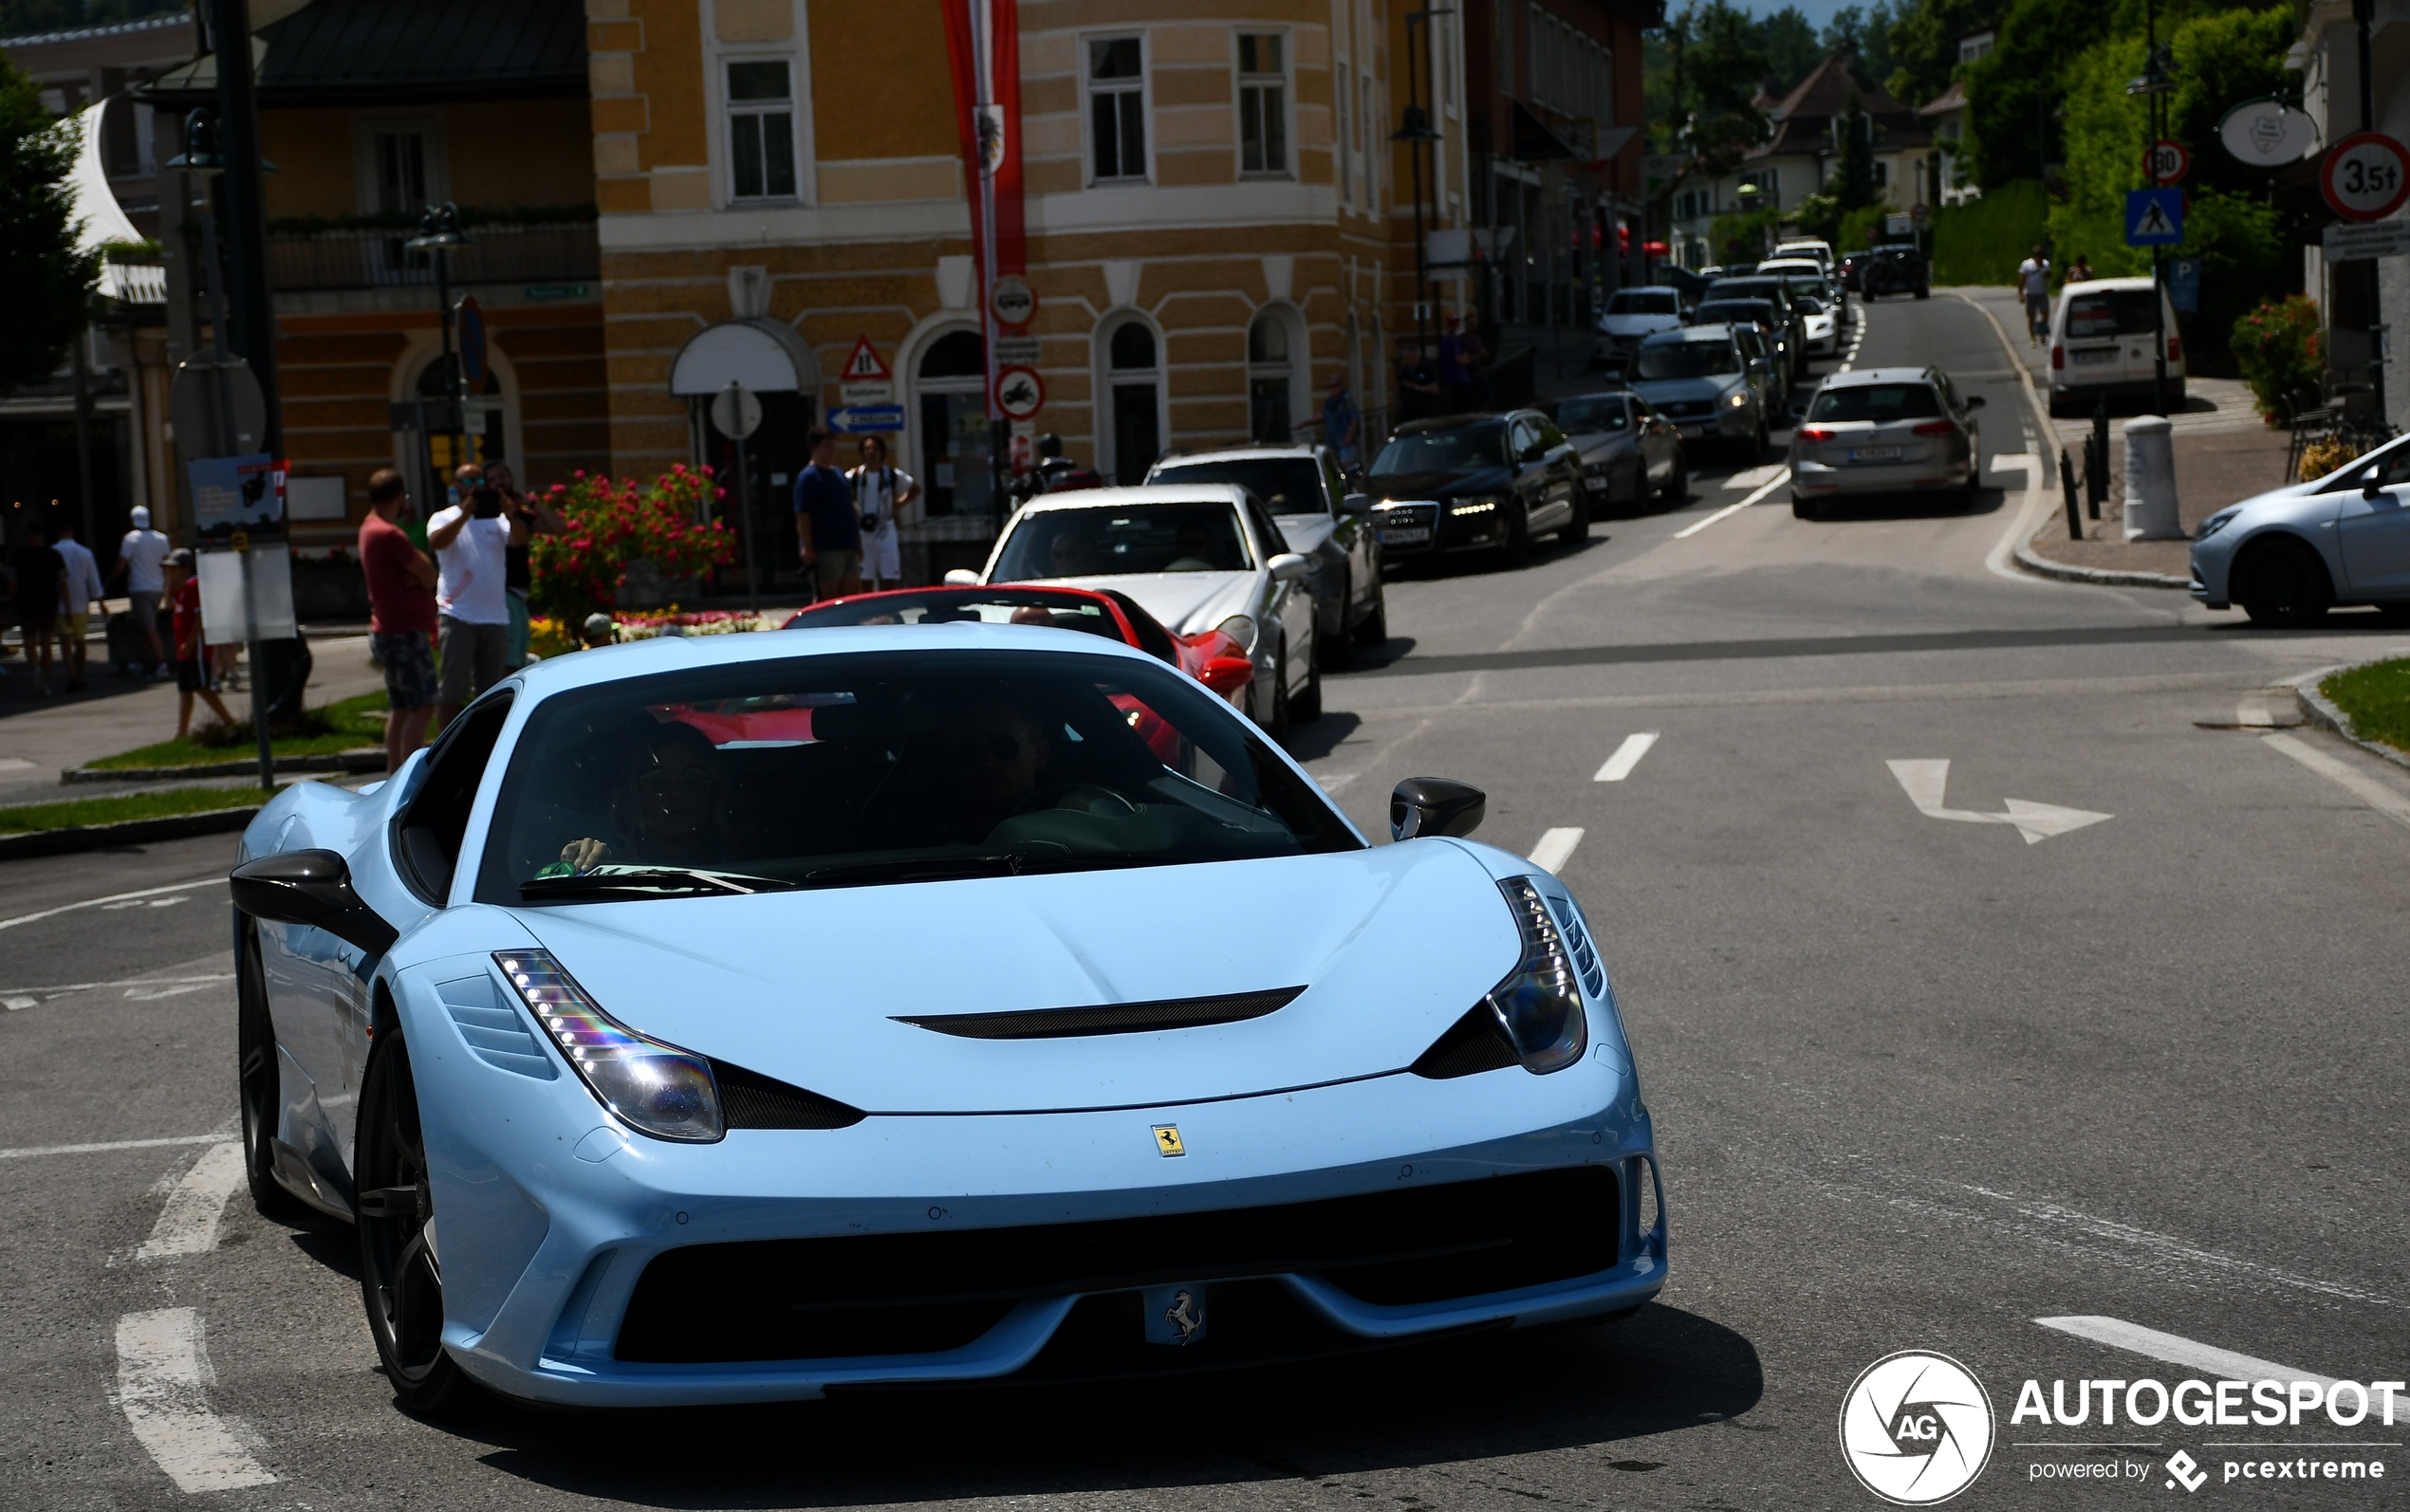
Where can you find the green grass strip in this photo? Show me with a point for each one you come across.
(2375, 698)
(332, 729)
(24, 819)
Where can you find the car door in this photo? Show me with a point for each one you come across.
(1657, 441)
(1354, 535)
(2374, 523)
(1289, 605)
(1564, 469)
(1528, 459)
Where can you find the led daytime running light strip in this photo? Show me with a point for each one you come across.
(584, 1033)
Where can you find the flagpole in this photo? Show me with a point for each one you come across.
(983, 55)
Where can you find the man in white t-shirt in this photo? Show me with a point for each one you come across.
(141, 557)
(472, 619)
(2033, 281)
(880, 492)
(78, 590)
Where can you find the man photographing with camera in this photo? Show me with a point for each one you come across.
(473, 540)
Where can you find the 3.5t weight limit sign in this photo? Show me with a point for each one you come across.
(2367, 178)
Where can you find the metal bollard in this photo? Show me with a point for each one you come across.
(2096, 455)
(2067, 483)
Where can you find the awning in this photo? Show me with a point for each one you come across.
(765, 356)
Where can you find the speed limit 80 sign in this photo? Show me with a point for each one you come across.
(2367, 178)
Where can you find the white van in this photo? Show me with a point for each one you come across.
(2101, 346)
(1821, 252)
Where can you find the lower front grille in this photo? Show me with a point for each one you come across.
(879, 1294)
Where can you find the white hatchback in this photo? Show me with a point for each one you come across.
(2103, 345)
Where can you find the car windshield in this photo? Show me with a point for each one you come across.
(1725, 311)
(1641, 301)
(1286, 485)
(1466, 448)
(1808, 294)
(1765, 288)
(1593, 414)
(887, 766)
(2110, 312)
(1132, 537)
(957, 606)
(1689, 359)
(1877, 401)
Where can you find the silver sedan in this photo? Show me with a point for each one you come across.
(1887, 429)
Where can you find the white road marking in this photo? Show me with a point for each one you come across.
(154, 994)
(15, 763)
(2002, 558)
(1751, 477)
(2367, 790)
(1926, 782)
(15, 1001)
(188, 1224)
(122, 982)
(1627, 757)
(29, 1152)
(2251, 713)
(162, 1381)
(2136, 1339)
(145, 903)
(1555, 848)
(1770, 485)
(1335, 781)
(113, 897)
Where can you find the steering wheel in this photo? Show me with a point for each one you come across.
(1091, 798)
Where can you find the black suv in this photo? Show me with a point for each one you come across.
(1895, 270)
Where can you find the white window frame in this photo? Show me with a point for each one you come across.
(717, 55)
(1145, 92)
(366, 129)
(1285, 81)
(724, 121)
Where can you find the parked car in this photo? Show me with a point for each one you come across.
(1774, 289)
(2289, 555)
(734, 1071)
(1885, 429)
(1197, 557)
(1773, 323)
(1632, 314)
(1629, 451)
(1698, 378)
(1897, 269)
(1820, 251)
(1476, 483)
(1302, 489)
(2104, 346)
(1766, 366)
(1211, 658)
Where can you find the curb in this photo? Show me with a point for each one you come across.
(2317, 708)
(2042, 566)
(131, 832)
(367, 759)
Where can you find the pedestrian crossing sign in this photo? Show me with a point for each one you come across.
(2153, 217)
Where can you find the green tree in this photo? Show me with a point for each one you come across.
(1727, 59)
(1791, 45)
(1924, 44)
(2012, 93)
(49, 283)
(1853, 157)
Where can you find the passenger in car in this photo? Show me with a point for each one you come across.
(666, 810)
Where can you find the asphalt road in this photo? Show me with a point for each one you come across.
(1921, 1079)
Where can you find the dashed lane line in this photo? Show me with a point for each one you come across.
(32, 1152)
(2136, 1339)
(1555, 848)
(2385, 799)
(113, 897)
(162, 1387)
(1768, 487)
(1627, 757)
(188, 1224)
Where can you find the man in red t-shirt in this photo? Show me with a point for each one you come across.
(401, 614)
(192, 664)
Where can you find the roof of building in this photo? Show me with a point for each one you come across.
(121, 29)
(1804, 117)
(371, 52)
(1954, 98)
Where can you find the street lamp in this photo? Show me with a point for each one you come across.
(439, 232)
(1413, 130)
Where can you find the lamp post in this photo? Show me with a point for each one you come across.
(1414, 130)
(2156, 81)
(438, 233)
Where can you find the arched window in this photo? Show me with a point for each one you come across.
(1134, 373)
(1270, 370)
(950, 386)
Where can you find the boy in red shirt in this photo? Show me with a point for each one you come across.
(192, 676)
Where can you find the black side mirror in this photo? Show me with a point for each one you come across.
(1356, 504)
(312, 887)
(1435, 805)
(1974, 401)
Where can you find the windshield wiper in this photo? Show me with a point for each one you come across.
(690, 880)
(950, 868)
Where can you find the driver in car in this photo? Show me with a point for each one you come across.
(665, 809)
(992, 756)
(1196, 549)
(1071, 554)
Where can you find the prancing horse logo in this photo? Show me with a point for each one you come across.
(1182, 1316)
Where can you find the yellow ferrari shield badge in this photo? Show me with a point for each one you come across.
(1167, 1139)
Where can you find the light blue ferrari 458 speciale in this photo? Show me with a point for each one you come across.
(758, 1017)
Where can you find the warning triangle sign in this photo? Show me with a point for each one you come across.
(864, 366)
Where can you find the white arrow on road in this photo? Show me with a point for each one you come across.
(1927, 782)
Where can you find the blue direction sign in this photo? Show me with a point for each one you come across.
(2153, 217)
(859, 418)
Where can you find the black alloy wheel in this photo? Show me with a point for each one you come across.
(1375, 629)
(2285, 585)
(1577, 530)
(1518, 533)
(400, 1279)
(1678, 484)
(1307, 707)
(1278, 724)
(257, 1083)
(1338, 648)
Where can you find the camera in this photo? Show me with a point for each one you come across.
(486, 504)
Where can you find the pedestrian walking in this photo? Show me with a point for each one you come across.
(140, 559)
(2034, 277)
(533, 517)
(78, 591)
(1341, 427)
(827, 527)
(192, 675)
(882, 493)
(41, 585)
(401, 614)
(2080, 271)
(472, 611)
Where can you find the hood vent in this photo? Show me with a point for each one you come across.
(752, 1100)
(1473, 1043)
(1112, 1018)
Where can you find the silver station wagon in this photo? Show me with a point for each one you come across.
(1885, 429)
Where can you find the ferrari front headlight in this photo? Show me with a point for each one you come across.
(652, 1087)
(1539, 1002)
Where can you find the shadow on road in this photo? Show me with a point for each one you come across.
(1478, 1399)
(1839, 509)
(1319, 739)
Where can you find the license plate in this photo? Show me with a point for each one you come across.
(1874, 454)
(1405, 535)
(1694, 429)
(2085, 359)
